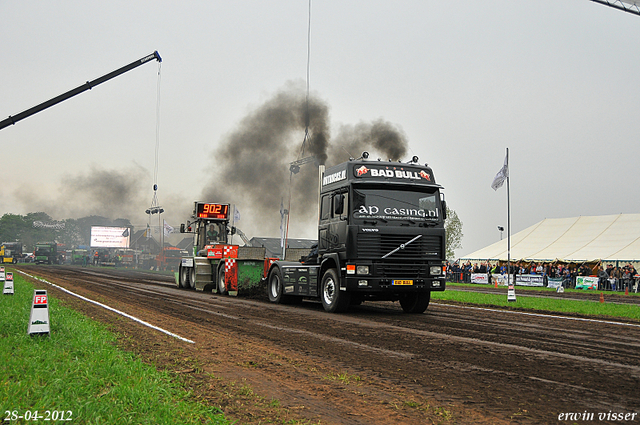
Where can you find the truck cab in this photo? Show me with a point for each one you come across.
(46, 252)
(380, 237)
(10, 252)
(170, 258)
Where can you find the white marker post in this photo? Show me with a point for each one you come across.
(8, 283)
(511, 292)
(39, 321)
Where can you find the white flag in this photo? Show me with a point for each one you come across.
(236, 214)
(502, 175)
(167, 229)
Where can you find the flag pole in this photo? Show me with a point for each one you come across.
(508, 224)
(498, 181)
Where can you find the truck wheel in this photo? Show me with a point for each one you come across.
(222, 289)
(333, 300)
(415, 303)
(275, 288)
(185, 278)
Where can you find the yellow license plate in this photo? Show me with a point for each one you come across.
(403, 282)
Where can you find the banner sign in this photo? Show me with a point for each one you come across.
(501, 279)
(480, 278)
(587, 282)
(109, 237)
(529, 280)
(554, 282)
(53, 225)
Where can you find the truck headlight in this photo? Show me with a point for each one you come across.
(362, 270)
(435, 270)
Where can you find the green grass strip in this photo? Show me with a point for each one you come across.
(585, 308)
(453, 285)
(77, 368)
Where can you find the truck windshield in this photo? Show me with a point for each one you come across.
(396, 207)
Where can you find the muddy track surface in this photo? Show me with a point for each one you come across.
(262, 362)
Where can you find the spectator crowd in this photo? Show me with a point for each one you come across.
(610, 278)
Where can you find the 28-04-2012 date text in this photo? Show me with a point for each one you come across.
(35, 415)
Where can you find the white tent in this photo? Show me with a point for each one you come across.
(575, 239)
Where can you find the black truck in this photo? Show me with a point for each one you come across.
(381, 237)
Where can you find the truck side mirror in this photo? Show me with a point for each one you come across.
(444, 209)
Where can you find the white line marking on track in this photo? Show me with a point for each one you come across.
(551, 316)
(128, 316)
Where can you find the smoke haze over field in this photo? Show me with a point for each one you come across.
(250, 168)
(107, 193)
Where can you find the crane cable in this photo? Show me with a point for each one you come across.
(307, 118)
(154, 201)
(155, 171)
(306, 130)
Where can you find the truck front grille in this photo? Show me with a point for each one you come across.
(372, 246)
(401, 270)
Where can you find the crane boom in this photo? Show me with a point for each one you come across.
(630, 6)
(86, 86)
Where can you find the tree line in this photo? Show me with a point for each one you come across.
(37, 227)
(74, 232)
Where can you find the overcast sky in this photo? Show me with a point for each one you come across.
(554, 81)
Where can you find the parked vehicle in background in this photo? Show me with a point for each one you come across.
(170, 258)
(125, 258)
(10, 252)
(102, 257)
(80, 256)
(46, 253)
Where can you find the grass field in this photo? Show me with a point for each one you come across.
(586, 308)
(77, 373)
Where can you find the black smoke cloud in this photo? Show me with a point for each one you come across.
(107, 193)
(379, 137)
(250, 168)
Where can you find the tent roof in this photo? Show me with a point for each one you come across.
(584, 238)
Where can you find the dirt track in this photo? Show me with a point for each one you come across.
(263, 362)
